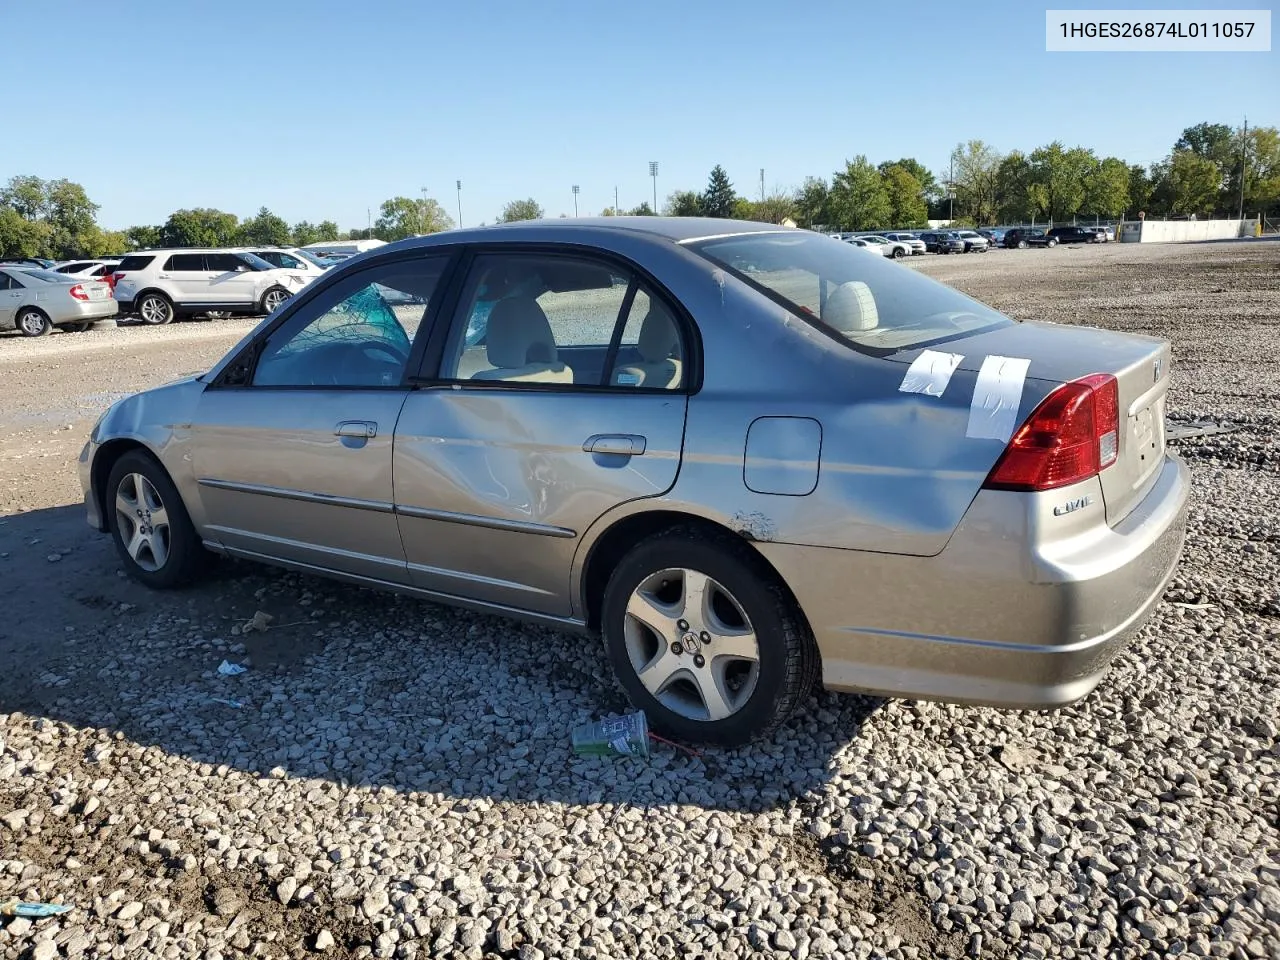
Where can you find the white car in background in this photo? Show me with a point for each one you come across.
(910, 239)
(862, 244)
(888, 248)
(95, 269)
(289, 258)
(159, 285)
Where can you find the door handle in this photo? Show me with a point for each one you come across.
(618, 444)
(364, 429)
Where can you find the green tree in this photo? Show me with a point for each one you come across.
(1141, 187)
(303, 233)
(1262, 174)
(684, 203)
(976, 167)
(717, 199)
(20, 237)
(923, 176)
(813, 203)
(64, 212)
(644, 210)
(265, 228)
(906, 197)
(521, 210)
(1013, 189)
(1058, 179)
(27, 195)
(142, 238)
(1106, 188)
(402, 217)
(200, 227)
(859, 200)
(327, 231)
(1194, 183)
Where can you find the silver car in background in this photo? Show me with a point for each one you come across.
(746, 458)
(35, 301)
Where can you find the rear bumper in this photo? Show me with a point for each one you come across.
(88, 311)
(988, 620)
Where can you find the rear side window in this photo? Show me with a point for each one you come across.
(134, 263)
(185, 262)
(72, 267)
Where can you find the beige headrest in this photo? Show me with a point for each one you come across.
(519, 334)
(659, 338)
(851, 308)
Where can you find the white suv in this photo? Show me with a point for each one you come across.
(159, 285)
(289, 258)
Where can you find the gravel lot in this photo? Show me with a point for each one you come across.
(396, 778)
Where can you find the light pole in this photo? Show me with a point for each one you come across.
(951, 189)
(616, 211)
(575, 199)
(422, 213)
(459, 204)
(762, 184)
(653, 172)
(1244, 165)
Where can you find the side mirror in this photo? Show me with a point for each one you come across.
(243, 268)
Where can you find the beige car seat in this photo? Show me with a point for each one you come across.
(659, 348)
(851, 308)
(520, 345)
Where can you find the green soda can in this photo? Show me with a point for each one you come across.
(625, 736)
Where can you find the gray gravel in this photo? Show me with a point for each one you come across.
(397, 780)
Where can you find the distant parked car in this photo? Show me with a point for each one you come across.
(948, 241)
(161, 284)
(910, 239)
(35, 301)
(103, 270)
(1074, 235)
(888, 248)
(26, 261)
(1105, 234)
(994, 235)
(1031, 237)
(974, 242)
(863, 245)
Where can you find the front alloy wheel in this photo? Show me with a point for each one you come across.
(273, 298)
(143, 522)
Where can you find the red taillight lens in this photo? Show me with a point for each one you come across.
(78, 292)
(1071, 436)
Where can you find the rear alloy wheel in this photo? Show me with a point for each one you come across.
(705, 640)
(273, 298)
(149, 523)
(32, 322)
(155, 309)
(1022, 244)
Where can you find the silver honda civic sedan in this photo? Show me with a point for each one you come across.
(747, 458)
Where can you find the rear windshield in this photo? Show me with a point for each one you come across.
(134, 263)
(50, 276)
(874, 304)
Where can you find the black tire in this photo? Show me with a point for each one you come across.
(154, 308)
(32, 322)
(1022, 244)
(186, 557)
(1051, 243)
(81, 327)
(272, 298)
(897, 253)
(788, 660)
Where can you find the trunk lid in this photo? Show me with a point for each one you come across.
(1141, 366)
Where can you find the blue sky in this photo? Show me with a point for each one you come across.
(324, 108)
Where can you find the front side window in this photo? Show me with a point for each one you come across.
(223, 262)
(871, 303)
(357, 333)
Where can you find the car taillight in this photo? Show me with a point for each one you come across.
(115, 278)
(78, 292)
(1072, 435)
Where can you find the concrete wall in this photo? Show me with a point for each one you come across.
(1180, 231)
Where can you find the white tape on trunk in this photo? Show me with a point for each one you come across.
(997, 394)
(930, 373)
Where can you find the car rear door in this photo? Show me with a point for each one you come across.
(11, 297)
(560, 393)
(188, 275)
(293, 442)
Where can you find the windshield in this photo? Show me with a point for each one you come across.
(872, 303)
(256, 261)
(310, 258)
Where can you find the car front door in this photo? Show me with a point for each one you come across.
(188, 275)
(293, 442)
(11, 297)
(231, 279)
(560, 394)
